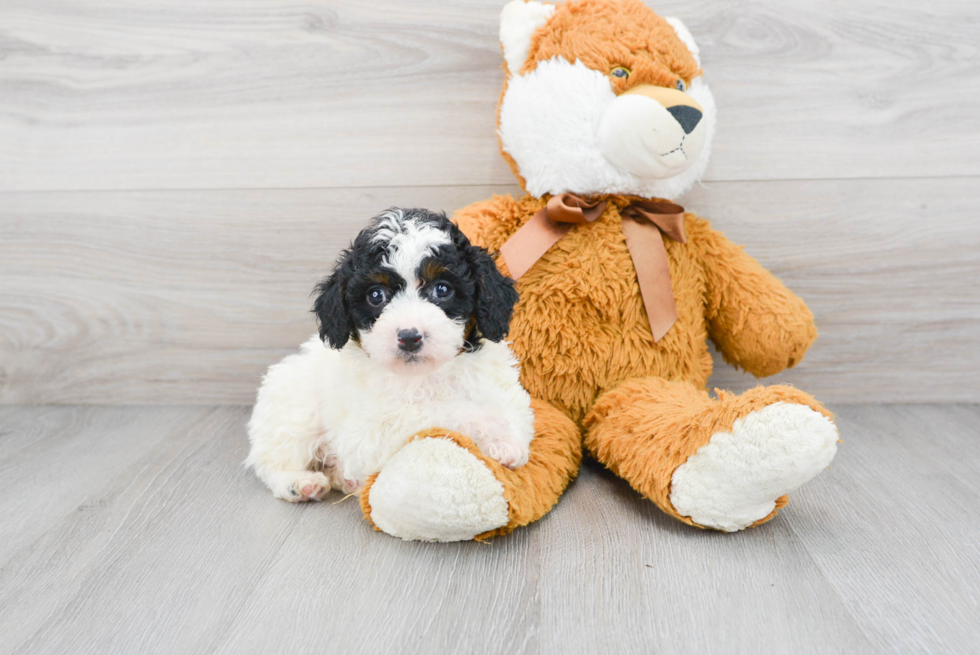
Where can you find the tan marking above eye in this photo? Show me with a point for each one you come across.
(431, 271)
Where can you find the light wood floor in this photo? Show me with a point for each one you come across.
(136, 530)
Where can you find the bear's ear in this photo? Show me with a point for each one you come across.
(518, 22)
(684, 35)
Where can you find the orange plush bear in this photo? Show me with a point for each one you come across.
(605, 116)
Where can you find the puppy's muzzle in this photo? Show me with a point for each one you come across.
(409, 341)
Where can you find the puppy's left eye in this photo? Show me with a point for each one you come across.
(441, 291)
(377, 296)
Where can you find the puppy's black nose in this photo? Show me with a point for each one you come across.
(409, 340)
(687, 117)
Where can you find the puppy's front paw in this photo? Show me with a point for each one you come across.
(508, 453)
(303, 487)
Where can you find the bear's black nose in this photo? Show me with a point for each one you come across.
(409, 340)
(687, 117)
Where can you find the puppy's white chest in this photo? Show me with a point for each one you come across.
(379, 422)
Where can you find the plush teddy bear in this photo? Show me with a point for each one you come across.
(604, 118)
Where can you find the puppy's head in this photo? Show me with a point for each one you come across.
(414, 293)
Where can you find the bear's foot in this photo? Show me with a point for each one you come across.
(724, 463)
(442, 487)
(736, 479)
(434, 490)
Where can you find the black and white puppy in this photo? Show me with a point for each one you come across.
(415, 317)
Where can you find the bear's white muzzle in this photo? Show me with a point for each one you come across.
(652, 132)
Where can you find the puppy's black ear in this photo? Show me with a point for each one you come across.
(495, 294)
(332, 314)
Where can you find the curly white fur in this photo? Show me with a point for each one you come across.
(408, 360)
(345, 416)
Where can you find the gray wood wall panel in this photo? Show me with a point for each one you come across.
(163, 296)
(174, 176)
(106, 94)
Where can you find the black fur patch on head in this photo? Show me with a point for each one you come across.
(495, 293)
(482, 297)
(332, 316)
(341, 305)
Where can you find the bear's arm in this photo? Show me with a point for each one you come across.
(756, 322)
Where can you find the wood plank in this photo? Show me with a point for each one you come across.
(52, 458)
(186, 297)
(182, 550)
(159, 554)
(106, 94)
(618, 575)
(376, 594)
(894, 525)
(188, 523)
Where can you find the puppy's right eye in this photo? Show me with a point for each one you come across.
(377, 296)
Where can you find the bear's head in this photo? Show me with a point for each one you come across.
(602, 97)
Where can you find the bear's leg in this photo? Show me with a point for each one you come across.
(724, 463)
(440, 487)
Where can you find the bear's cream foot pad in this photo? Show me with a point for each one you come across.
(735, 479)
(434, 490)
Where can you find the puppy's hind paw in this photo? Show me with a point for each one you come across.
(352, 486)
(508, 453)
(305, 487)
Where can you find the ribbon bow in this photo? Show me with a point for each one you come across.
(643, 222)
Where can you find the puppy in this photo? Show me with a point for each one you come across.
(415, 319)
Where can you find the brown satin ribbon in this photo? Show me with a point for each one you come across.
(643, 222)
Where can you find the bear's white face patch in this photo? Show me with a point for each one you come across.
(568, 132)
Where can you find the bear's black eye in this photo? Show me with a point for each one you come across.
(681, 86)
(377, 296)
(441, 291)
(621, 72)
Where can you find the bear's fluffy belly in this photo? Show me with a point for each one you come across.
(580, 327)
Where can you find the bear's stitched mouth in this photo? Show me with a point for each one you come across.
(680, 147)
